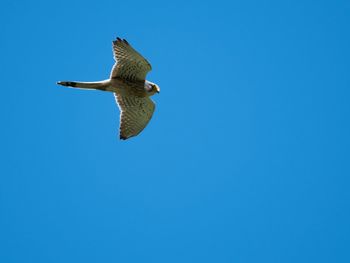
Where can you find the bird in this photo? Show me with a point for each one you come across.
(131, 89)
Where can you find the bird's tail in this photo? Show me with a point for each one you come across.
(98, 85)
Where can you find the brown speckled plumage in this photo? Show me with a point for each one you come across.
(130, 87)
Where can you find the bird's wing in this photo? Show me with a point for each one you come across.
(135, 113)
(130, 65)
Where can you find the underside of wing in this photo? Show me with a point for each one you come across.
(130, 65)
(135, 113)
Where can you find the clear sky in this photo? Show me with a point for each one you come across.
(246, 158)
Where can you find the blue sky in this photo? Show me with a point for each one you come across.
(245, 160)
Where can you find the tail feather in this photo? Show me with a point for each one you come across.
(67, 83)
(98, 85)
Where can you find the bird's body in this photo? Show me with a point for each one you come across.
(131, 89)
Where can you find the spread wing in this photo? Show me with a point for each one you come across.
(129, 64)
(135, 113)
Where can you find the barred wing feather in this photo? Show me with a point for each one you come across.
(135, 113)
(130, 65)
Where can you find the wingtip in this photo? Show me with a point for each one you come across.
(118, 39)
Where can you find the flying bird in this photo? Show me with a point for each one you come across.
(131, 89)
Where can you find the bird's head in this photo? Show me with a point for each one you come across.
(156, 88)
(152, 88)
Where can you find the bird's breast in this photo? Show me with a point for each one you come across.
(126, 87)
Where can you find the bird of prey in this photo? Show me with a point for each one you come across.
(131, 89)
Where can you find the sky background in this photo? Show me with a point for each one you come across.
(246, 158)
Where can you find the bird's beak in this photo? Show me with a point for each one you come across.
(158, 90)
